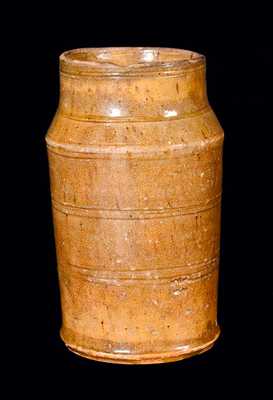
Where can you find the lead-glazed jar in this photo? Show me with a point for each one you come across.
(135, 157)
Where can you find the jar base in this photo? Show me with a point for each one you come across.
(145, 358)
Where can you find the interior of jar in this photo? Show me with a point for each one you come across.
(130, 57)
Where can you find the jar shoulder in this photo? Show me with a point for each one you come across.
(197, 129)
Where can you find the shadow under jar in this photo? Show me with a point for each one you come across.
(135, 156)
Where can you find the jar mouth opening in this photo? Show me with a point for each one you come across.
(122, 60)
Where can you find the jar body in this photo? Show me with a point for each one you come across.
(136, 207)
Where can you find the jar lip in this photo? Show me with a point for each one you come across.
(128, 60)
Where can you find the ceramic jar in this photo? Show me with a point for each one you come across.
(135, 157)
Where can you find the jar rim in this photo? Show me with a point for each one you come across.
(128, 60)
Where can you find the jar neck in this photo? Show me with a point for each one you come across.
(153, 92)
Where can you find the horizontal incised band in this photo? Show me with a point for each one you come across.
(128, 152)
(134, 214)
(66, 70)
(174, 116)
(178, 275)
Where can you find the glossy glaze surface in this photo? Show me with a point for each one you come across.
(135, 155)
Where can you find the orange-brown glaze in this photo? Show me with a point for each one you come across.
(135, 156)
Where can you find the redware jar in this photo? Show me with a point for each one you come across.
(135, 156)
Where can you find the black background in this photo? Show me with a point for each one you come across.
(239, 68)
